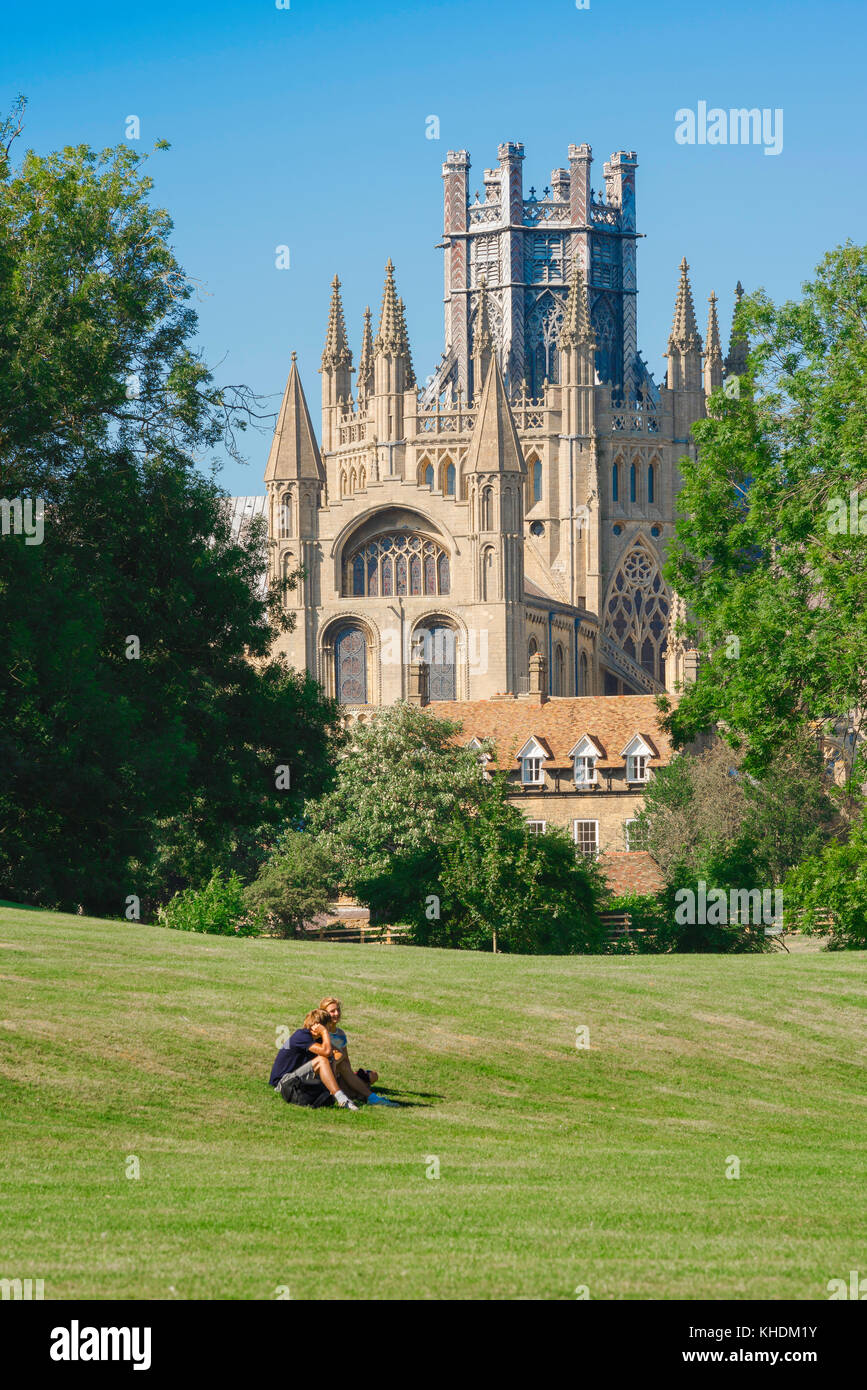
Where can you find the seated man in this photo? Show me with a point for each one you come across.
(302, 1070)
(358, 1083)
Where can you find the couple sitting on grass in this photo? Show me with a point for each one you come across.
(313, 1068)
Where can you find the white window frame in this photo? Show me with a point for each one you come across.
(532, 759)
(585, 755)
(631, 849)
(537, 827)
(637, 754)
(582, 820)
(585, 765)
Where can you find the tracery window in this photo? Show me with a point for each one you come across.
(397, 563)
(637, 610)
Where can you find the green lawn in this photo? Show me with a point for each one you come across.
(559, 1167)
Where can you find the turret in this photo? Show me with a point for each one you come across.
(364, 380)
(684, 361)
(736, 362)
(483, 342)
(336, 370)
(392, 371)
(713, 359)
(294, 481)
(577, 358)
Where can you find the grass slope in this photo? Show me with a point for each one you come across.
(559, 1167)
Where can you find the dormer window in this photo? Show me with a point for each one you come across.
(584, 757)
(483, 757)
(638, 753)
(531, 758)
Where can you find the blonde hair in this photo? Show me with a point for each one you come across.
(317, 1016)
(329, 999)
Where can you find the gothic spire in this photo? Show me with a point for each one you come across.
(736, 362)
(684, 331)
(404, 344)
(495, 447)
(364, 381)
(388, 337)
(336, 353)
(713, 359)
(576, 321)
(294, 451)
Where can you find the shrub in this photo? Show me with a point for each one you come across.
(218, 907)
(833, 882)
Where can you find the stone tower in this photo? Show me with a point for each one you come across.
(514, 515)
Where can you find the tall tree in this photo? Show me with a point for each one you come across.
(771, 551)
(146, 734)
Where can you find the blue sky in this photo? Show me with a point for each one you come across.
(306, 127)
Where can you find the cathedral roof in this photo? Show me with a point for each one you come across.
(495, 446)
(294, 451)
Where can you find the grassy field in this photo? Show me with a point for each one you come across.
(559, 1167)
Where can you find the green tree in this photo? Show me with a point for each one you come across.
(831, 886)
(398, 782)
(771, 551)
(533, 892)
(143, 722)
(295, 883)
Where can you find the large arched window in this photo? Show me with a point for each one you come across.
(637, 610)
(537, 481)
(350, 666)
(429, 476)
(650, 484)
(449, 480)
(397, 563)
(615, 483)
(633, 483)
(487, 518)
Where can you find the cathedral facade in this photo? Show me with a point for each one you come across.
(501, 529)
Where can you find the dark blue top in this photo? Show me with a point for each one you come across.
(293, 1054)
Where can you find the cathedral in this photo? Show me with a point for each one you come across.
(502, 526)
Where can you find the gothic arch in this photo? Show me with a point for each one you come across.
(638, 608)
(349, 654)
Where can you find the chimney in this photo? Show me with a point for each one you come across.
(538, 678)
(417, 683)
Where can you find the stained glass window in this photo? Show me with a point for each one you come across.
(450, 480)
(371, 570)
(637, 610)
(650, 483)
(537, 481)
(615, 489)
(633, 483)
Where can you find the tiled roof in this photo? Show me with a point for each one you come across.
(610, 720)
(633, 871)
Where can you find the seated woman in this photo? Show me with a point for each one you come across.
(357, 1083)
(303, 1072)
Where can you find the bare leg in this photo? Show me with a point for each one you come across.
(350, 1081)
(322, 1067)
